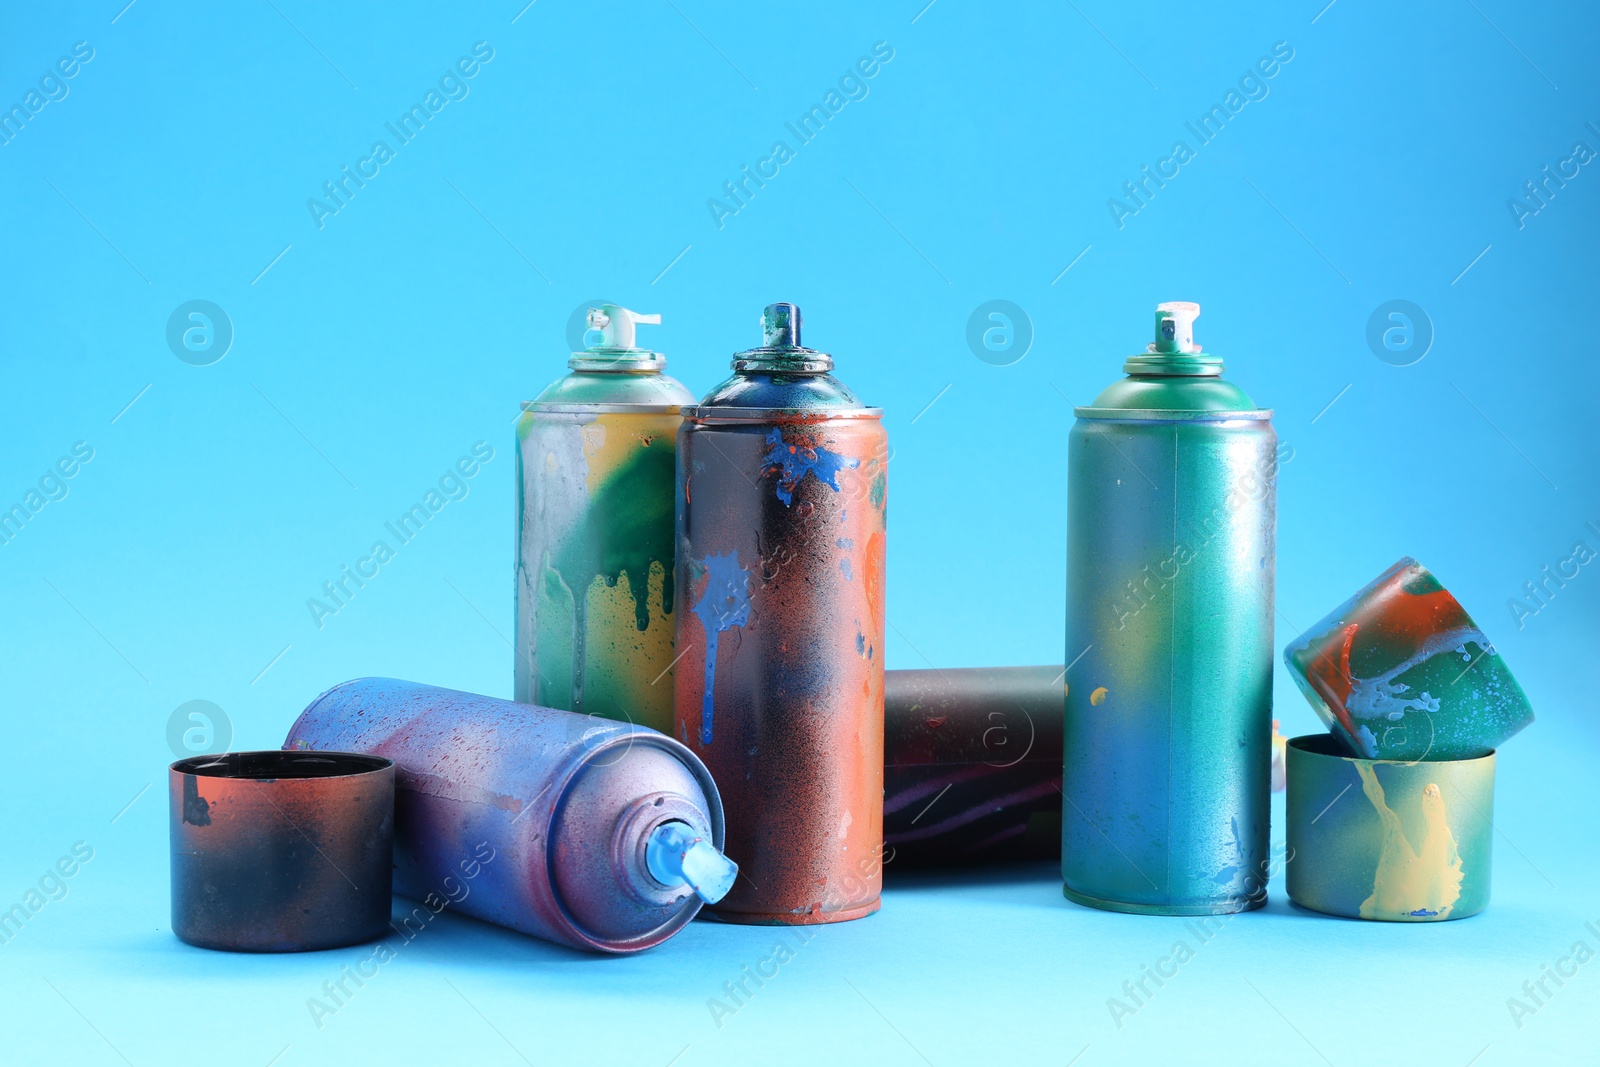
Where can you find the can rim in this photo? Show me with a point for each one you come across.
(1172, 415)
(282, 765)
(535, 407)
(714, 413)
(1324, 746)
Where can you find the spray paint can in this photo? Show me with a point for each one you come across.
(972, 765)
(594, 574)
(1171, 514)
(781, 501)
(598, 835)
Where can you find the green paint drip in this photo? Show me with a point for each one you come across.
(627, 528)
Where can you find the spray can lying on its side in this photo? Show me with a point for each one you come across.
(781, 492)
(1170, 521)
(972, 765)
(598, 835)
(595, 470)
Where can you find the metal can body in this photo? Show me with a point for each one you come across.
(281, 851)
(594, 572)
(1381, 670)
(1170, 576)
(527, 817)
(1388, 840)
(781, 528)
(972, 765)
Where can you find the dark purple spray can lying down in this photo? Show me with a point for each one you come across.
(599, 834)
(972, 770)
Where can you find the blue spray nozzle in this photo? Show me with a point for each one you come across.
(676, 855)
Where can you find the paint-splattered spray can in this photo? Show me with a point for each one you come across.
(1171, 512)
(781, 502)
(594, 531)
(972, 765)
(599, 835)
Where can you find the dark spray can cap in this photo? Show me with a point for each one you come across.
(281, 851)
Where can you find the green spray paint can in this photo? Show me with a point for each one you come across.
(1171, 514)
(596, 455)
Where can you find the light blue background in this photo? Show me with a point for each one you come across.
(378, 349)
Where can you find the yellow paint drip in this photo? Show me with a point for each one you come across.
(1421, 883)
(629, 669)
(598, 561)
(1098, 697)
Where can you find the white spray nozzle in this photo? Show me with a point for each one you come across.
(676, 855)
(1175, 327)
(615, 325)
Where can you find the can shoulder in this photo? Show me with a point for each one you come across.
(782, 391)
(644, 390)
(1178, 393)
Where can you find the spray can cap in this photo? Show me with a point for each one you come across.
(1175, 327)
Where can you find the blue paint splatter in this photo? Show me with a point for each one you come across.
(724, 604)
(1232, 871)
(861, 643)
(845, 542)
(794, 461)
(1422, 913)
(844, 565)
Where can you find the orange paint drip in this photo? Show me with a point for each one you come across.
(1333, 679)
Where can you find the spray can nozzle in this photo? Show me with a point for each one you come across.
(676, 855)
(615, 326)
(780, 326)
(782, 350)
(1175, 327)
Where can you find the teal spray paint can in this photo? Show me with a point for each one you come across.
(596, 461)
(1172, 476)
